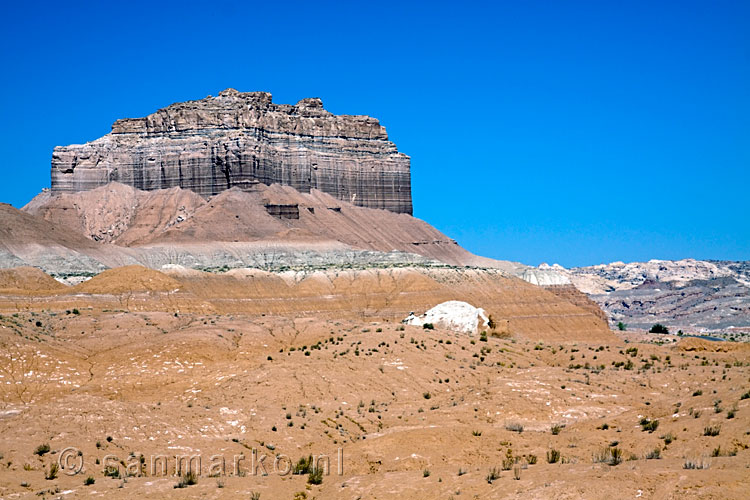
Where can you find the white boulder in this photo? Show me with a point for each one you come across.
(453, 315)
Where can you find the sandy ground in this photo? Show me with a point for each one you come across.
(400, 412)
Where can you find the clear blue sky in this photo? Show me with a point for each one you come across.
(570, 132)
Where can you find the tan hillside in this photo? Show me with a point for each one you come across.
(127, 279)
(279, 215)
(518, 308)
(27, 280)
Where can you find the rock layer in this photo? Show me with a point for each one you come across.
(238, 140)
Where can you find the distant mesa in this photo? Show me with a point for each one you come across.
(240, 139)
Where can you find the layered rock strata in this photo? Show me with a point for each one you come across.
(239, 139)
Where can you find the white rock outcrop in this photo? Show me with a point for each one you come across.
(453, 315)
(546, 275)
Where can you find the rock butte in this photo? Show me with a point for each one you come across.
(239, 139)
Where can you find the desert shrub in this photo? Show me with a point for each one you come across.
(658, 328)
(112, 471)
(654, 454)
(716, 451)
(254, 495)
(712, 430)
(610, 456)
(555, 429)
(427, 395)
(668, 438)
(695, 464)
(42, 449)
(699, 392)
(315, 476)
(428, 326)
(190, 478)
(483, 337)
(426, 473)
(508, 461)
(476, 433)
(553, 456)
(649, 425)
(531, 459)
(621, 326)
(76, 312)
(52, 471)
(303, 466)
(745, 395)
(493, 474)
(89, 481)
(514, 427)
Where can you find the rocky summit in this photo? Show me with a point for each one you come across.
(240, 139)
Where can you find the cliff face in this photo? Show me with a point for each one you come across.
(240, 139)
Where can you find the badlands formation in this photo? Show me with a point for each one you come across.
(696, 296)
(212, 294)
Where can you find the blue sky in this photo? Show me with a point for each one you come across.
(570, 132)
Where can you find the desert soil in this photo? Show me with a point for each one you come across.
(415, 413)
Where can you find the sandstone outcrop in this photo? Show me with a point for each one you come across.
(239, 139)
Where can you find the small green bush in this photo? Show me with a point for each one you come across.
(112, 471)
(493, 474)
(712, 430)
(649, 425)
(514, 427)
(658, 328)
(52, 471)
(304, 465)
(315, 476)
(42, 449)
(190, 478)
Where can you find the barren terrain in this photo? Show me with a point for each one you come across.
(135, 368)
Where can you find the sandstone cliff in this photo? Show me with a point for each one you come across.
(240, 139)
